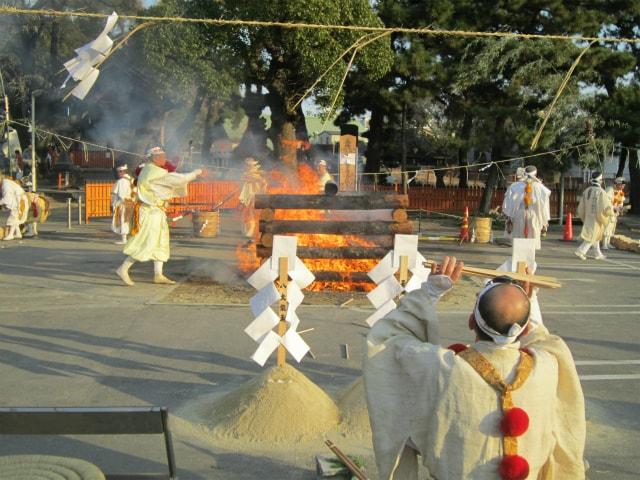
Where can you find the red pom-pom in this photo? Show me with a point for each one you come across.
(513, 467)
(515, 422)
(457, 347)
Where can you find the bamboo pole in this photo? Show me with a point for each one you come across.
(537, 280)
(346, 461)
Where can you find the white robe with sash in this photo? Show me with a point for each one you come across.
(422, 394)
(155, 187)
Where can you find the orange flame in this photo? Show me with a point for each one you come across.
(307, 182)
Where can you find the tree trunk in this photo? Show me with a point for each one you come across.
(492, 180)
(622, 161)
(373, 152)
(254, 139)
(462, 152)
(211, 120)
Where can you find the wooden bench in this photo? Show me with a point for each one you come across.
(93, 421)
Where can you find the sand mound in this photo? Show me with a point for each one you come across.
(355, 415)
(281, 405)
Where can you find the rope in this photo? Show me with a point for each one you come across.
(565, 81)
(84, 143)
(318, 26)
(486, 164)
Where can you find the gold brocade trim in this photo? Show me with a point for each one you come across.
(135, 219)
(490, 375)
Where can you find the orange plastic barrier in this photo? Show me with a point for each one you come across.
(202, 196)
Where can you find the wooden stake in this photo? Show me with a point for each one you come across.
(283, 281)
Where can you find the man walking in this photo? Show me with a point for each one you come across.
(595, 210)
(150, 240)
(527, 206)
(13, 197)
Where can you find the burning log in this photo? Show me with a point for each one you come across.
(352, 277)
(397, 215)
(370, 201)
(336, 228)
(331, 252)
(383, 241)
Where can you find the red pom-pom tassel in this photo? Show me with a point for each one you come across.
(515, 422)
(513, 467)
(457, 347)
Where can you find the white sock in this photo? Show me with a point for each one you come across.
(35, 228)
(584, 247)
(124, 237)
(157, 268)
(596, 247)
(126, 265)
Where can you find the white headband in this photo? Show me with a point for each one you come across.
(501, 339)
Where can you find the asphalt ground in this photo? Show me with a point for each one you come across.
(72, 335)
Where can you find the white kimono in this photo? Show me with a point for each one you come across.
(595, 210)
(535, 217)
(155, 187)
(16, 201)
(423, 395)
(121, 204)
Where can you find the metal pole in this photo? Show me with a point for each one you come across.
(34, 171)
(69, 212)
(79, 210)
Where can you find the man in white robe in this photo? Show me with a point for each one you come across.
(122, 204)
(431, 401)
(15, 200)
(508, 202)
(595, 210)
(324, 176)
(528, 211)
(253, 183)
(155, 187)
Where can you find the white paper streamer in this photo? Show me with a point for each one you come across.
(261, 329)
(383, 274)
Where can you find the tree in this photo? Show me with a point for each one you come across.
(286, 62)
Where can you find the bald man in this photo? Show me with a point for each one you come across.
(449, 406)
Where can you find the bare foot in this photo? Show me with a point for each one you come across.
(124, 276)
(162, 280)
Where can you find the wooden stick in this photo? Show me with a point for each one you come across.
(403, 274)
(537, 280)
(347, 462)
(283, 280)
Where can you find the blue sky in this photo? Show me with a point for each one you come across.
(149, 2)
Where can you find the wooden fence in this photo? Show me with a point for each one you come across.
(202, 196)
(205, 195)
(454, 200)
(92, 159)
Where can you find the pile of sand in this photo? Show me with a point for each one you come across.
(281, 405)
(355, 415)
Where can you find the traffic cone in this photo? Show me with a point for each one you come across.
(567, 236)
(464, 226)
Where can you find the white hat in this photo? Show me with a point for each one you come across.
(154, 151)
(619, 180)
(251, 162)
(530, 171)
(596, 177)
(322, 163)
(121, 168)
(520, 173)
